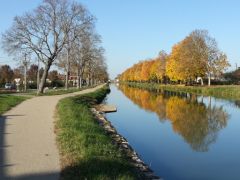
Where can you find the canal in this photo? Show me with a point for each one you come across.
(179, 135)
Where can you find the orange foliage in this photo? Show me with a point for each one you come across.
(193, 120)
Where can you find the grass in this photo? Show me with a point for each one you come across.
(87, 151)
(9, 101)
(52, 92)
(231, 92)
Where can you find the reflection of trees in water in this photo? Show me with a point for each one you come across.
(197, 123)
(237, 103)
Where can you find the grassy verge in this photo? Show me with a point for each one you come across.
(60, 91)
(224, 91)
(9, 101)
(52, 92)
(87, 151)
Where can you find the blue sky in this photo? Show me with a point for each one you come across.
(134, 30)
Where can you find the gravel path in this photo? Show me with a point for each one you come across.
(27, 141)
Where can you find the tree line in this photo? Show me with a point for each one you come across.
(8, 74)
(61, 33)
(195, 58)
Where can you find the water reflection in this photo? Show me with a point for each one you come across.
(237, 103)
(197, 122)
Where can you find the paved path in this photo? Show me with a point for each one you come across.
(27, 141)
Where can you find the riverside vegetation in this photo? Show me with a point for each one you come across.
(87, 152)
(231, 92)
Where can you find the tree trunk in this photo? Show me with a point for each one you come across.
(202, 82)
(44, 77)
(25, 77)
(91, 80)
(66, 79)
(80, 81)
(67, 70)
(209, 80)
(38, 75)
(88, 80)
(78, 78)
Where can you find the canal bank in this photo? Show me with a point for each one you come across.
(89, 151)
(135, 160)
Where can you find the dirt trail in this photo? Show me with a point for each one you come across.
(27, 141)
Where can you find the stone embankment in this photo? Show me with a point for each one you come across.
(124, 146)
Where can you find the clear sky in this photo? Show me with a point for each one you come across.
(134, 30)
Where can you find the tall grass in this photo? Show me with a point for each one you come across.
(87, 151)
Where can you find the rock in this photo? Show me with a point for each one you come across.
(107, 108)
(45, 89)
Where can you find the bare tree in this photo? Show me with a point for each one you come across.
(45, 31)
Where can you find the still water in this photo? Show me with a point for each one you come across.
(180, 136)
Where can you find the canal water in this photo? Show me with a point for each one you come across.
(179, 135)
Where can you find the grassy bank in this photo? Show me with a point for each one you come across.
(87, 152)
(224, 91)
(9, 101)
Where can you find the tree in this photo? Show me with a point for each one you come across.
(6, 74)
(53, 75)
(158, 68)
(233, 75)
(18, 72)
(45, 31)
(213, 61)
(193, 58)
(196, 56)
(174, 66)
(32, 72)
(145, 73)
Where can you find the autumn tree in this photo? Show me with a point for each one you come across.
(158, 68)
(174, 65)
(198, 123)
(196, 56)
(53, 75)
(214, 61)
(6, 74)
(18, 72)
(233, 75)
(32, 73)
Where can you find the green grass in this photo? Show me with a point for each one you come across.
(87, 151)
(9, 101)
(221, 91)
(52, 92)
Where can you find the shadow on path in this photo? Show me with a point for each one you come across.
(4, 165)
